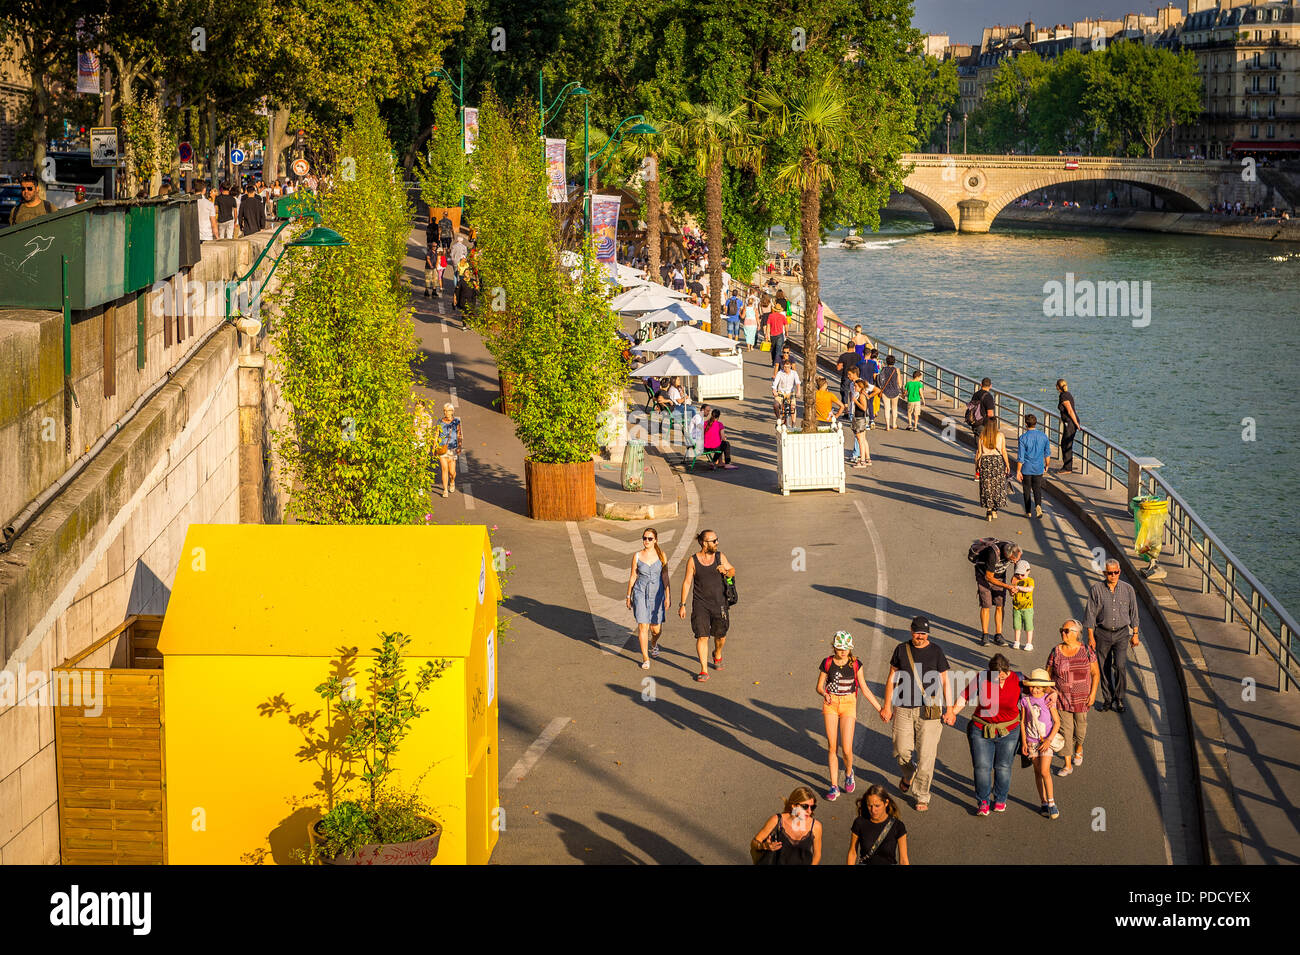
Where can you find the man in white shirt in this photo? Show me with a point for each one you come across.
(785, 384)
(207, 216)
(695, 430)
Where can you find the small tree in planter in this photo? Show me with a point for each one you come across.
(386, 823)
(554, 340)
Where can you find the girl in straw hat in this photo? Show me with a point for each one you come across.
(1039, 721)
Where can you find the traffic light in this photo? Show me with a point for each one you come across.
(300, 139)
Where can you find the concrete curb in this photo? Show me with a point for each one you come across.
(661, 508)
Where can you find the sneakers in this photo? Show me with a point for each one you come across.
(999, 807)
(1029, 647)
(984, 639)
(645, 664)
(984, 809)
(1078, 758)
(1038, 510)
(832, 794)
(849, 784)
(1016, 645)
(1052, 811)
(654, 650)
(998, 641)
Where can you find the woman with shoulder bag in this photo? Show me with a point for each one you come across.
(792, 836)
(993, 732)
(879, 836)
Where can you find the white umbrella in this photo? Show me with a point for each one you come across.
(674, 313)
(683, 361)
(686, 336)
(645, 298)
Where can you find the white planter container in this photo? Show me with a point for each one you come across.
(729, 384)
(810, 461)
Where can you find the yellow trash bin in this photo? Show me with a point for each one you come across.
(1149, 516)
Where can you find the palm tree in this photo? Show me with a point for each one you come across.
(709, 136)
(652, 148)
(818, 120)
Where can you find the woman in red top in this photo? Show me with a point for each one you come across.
(994, 732)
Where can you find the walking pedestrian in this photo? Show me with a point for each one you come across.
(915, 392)
(870, 370)
(648, 590)
(1111, 617)
(776, 324)
(992, 468)
(992, 558)
(839, 678)
(980, 408)
(207, 210)
(432, 274)
(1033, 455)
(751, 321)
(1039, 723)
(825, 404)
(715, 442)
(226, 205)
(890, 382)
(879, 836)
(993, 732)
(709, 617)
(858, 420)
(1022, 605)
(915, 705)
(792, 836)
(1075, 672)
(734, 305)
(446, 231)
(849, 361)
(452, 441)
(860, 343)
(1069, 425)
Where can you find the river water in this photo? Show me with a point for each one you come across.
(1203, 386)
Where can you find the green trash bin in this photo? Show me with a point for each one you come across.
(92, 239)
(634, 465)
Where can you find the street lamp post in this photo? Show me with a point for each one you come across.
(963, 134)
(642, 128)
(548, 113)
(459, 89)
(318, 237)
(947, 119)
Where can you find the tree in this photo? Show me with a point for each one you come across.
(1139, 93)
(648, 151)
(442, 169)
(817, 118)
(937, 93)
(709, 137)
(1004, 118)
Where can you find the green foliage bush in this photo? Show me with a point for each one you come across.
(346, 348)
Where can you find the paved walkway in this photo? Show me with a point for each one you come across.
(601, 764)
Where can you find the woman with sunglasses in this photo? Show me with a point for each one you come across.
(792, 836)
(839, 678)
(647, 593)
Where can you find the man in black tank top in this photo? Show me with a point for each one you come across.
(704, 572)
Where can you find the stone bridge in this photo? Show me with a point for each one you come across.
(967, 192)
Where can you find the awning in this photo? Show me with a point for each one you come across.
(1252, 145)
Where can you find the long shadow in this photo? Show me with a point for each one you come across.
(903, 612)
(587, 847)
(659, 849)
(566, 621)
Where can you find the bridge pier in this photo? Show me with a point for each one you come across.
(974, 216)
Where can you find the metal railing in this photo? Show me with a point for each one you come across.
(1189, 539)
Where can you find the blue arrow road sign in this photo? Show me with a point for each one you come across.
(236, 157)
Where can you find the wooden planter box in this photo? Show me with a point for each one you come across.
(560, 492)
(109, 765)
(814, 460)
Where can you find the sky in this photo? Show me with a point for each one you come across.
(964, 20)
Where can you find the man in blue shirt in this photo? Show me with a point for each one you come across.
(1033, 454)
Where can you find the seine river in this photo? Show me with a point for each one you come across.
(1201, 384)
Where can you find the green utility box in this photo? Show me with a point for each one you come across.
(191, 246)
(141, 245)
(167, 245)
(91, 236)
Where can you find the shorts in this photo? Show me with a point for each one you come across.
(860, 425)
(841, 704)
(1022, 619)
(989, 597)
(708, 621)
(913, 406)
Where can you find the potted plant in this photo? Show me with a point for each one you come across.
(381, 823)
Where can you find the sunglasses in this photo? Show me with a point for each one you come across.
(28, 189)
(811, 807)
(713, 540)
(1112, 573)
(1067, 630)
(650, 539)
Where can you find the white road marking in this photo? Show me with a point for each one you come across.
(469, 497)
(531, 755)
(625, 547)
(452, 389)
(450, 374)
(446, 345)
(692, 521)
(616, 574)
(610, 636)
(876, 649)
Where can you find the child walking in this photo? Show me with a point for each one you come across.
(914, 402)
(1022, 605)
(839, 679)
(1039, 721)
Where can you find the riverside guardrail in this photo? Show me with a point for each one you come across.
(1267, 621)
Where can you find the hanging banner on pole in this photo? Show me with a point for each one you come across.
(555, 172)
(471, 129)
(604, 231)
(88, 72)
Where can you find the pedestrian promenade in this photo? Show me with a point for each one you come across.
(603, 762)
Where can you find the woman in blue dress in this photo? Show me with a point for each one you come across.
(647, 593)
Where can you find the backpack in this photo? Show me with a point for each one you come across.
(733, 306)
(980, 545)
(975, 408)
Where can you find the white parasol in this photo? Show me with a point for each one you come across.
(674, 313)
(645, 298)
(683, 361)
(686, 336)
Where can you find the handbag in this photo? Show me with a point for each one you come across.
(928, 711)
(889, 827)
(729, 590)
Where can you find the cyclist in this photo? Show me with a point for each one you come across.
(784, 387)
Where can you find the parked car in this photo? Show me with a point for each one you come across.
(10, 197)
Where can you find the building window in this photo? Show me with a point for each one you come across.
(1271, 131)
(1254, 132)
(1272, 84)
(1272, 109)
